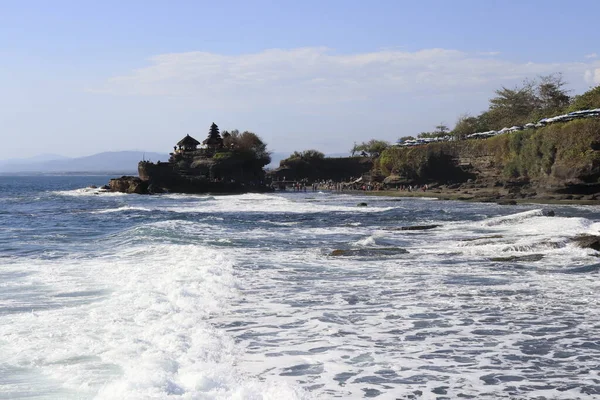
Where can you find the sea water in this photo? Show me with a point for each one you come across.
(115, 296)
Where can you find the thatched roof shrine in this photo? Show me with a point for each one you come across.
(188, 142)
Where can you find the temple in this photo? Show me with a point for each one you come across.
(186, 144)
(187, 148)
(232, 162)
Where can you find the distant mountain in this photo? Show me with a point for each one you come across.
(118, 161)
(35, 159)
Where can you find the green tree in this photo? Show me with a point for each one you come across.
(551, 95)
(247, 145)
(587, 101)
(308, 155)
(512, 106)
(372, 148)
(441, 129)
(467, 125)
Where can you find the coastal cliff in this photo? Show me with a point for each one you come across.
(316, 168)
(561, 159)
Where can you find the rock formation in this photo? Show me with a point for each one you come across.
(229, 164)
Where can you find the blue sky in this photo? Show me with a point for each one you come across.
(80, 77)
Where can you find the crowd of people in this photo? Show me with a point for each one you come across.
(352, 185)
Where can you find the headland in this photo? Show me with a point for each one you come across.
(226, 163)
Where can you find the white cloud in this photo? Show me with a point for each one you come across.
(592, 76)
(316, 76)
(592, 55)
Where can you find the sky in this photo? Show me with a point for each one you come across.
(83, 77)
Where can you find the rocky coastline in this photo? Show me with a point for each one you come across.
(182, 184)
(554, 164)
(227, 163)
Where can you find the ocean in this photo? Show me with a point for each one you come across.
(116, 296)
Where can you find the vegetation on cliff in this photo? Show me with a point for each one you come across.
(569, 151)
(550, 156)
(529, 102)
(563, 152)
(371, 148)
(313, 165)
(246, 146)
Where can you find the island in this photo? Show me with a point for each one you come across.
(231, 162)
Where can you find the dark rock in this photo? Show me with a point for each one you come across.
(352, 299)
(415, 228)
(93, 187)
(105, 187)
(361, 205)
(588, 242)
(530, 257)
(440, 390)
(548, 213)
(128, 184)
(371, 252)
(483, 237)
(153, 189)
(507, 203)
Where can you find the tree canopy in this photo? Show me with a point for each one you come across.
(528, 102)
(405, 138)
(247, 145)
(587, 100)
(372, 148)
(308, 155)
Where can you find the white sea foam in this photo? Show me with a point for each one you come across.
(121, 209)
(89, 192)
(267, 204)
(513, 218)
(228, 304)
(149, 338)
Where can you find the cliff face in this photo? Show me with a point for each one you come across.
(337, 169)
(561, 158)
(225, 175)
(203, 176)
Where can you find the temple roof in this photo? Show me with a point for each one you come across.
(188, 141)
(211, 140)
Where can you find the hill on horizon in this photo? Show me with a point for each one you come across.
(110, 161)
